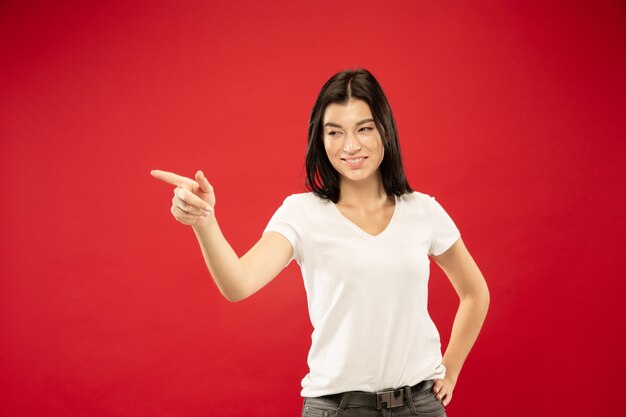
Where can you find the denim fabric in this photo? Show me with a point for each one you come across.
(419, 402)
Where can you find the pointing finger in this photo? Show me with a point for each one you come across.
(174, 179)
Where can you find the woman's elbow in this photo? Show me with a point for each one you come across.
(479, 294)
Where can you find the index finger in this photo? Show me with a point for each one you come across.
(174, 179)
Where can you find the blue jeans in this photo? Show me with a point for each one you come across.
(419, 400)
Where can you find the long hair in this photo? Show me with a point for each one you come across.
(321, 177)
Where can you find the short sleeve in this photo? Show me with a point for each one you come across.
(288, 221)
(445, 232)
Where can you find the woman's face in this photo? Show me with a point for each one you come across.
(350, 132)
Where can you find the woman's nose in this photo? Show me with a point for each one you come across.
(352, 142)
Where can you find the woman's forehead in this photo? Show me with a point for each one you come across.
(352, 112)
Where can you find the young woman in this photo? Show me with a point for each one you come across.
(362, 238)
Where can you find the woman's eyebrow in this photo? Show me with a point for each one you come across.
(357, 123)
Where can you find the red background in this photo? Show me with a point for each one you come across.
(512, 115)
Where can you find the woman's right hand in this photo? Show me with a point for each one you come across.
(194, 200)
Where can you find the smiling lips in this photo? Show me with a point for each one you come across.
(357, 162)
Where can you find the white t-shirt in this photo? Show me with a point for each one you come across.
(367, 295)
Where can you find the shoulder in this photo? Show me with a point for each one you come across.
(298, 198)
(419, 203)
(304, 199)
(300, 203)
(417, 198)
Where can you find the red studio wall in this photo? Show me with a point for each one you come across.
(510, 113)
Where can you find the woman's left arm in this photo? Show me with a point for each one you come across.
(471, 287)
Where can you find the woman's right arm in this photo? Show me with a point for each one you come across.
(237, 278)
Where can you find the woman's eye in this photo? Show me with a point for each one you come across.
(331, 133)
(367, 128)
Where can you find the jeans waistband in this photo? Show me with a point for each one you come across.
(387, 398)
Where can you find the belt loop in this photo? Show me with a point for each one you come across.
(344, 402)
(408, 394)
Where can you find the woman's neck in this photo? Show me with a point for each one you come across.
(366, 195)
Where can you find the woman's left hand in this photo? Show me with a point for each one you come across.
(443, 388)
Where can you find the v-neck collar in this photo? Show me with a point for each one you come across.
(363, 232)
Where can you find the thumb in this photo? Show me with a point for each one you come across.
(205, 187)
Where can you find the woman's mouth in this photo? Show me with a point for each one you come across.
(354, 162)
